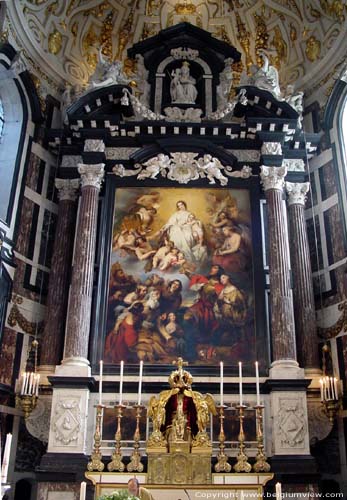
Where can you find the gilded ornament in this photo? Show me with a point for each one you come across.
(52, 9)
(55, 42)
(149, 29)
(262, 37)
(152, 7)
(244, 38)
(293, 33)
(90, 39)
(281, 48)
(234, 3)
(106, 35)
(74, 29)
(222, 34)
(4, 36)
(334, 9)
(125, 35)
(313, 48)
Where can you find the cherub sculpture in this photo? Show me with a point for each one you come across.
(212, 168)
(106, 73)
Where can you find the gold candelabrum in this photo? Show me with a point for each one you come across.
(116, 463)
(135, 464)
(261, 464)
(222, 464)
(28, 386)
(242, 464)
(96, 463)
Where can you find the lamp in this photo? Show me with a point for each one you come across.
(28, 386)
(330, 393)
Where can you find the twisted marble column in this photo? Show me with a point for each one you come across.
(281, 298)
(79, 310)
(53, 334)
(304, 306)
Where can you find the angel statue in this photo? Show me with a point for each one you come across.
(106, 73)
(180, 414)
(265, 77)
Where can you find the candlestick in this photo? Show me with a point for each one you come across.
(240, 382)
(6, 459)
(135, 464)
(100, 382)
(140, 383)
(278, 491)
(121, 382)
(96, 456)
(83, 490)
(221, 382)
(257, 382)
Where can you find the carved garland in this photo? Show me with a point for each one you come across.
(338, 327)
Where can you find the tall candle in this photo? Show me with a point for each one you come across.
(37, 383)
(240, 382)
(321, 390)
(221, 382)
(100, 381)
(6, 459)
(278, 491)
(140, 383)
(328, 388)
(121, 382)
(83, 490)
(257, 382)
(336, 388)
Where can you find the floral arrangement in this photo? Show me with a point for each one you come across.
(118, 495)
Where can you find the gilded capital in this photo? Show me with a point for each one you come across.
(297, 192)
(67, 188)
(91, 175)
(272, 177)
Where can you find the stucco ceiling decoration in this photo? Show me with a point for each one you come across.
(303, 39)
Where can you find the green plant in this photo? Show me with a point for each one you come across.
(118, 495)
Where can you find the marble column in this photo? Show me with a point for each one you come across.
(281, 297)
(304, 306)
(53, 335)
(75, 360)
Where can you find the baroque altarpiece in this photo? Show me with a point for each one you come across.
(192, 191)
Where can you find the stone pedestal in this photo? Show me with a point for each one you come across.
(304, 306)
(53, 335)
(75, 362)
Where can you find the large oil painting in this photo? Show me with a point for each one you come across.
(181, 277)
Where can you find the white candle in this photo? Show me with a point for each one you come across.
(6, 459)
(100, 382)
(23, 384)
(278, 491)
(328, 388)
(83, 490)
(336, 391)
(257, 382)
(221, 382)
(321, 390)
(38, 383)
(121, 382)
(140, 383)
(25, 376)
(240, 382)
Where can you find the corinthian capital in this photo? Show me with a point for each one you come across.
(67, 188)
(297, 192)
(91, 175)
(272, 177)
(271, 148)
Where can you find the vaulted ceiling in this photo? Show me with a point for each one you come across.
(59, 39)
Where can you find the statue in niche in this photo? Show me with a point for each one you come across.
(182, 86)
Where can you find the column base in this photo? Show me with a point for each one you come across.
(286, 369)
(73, 367)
